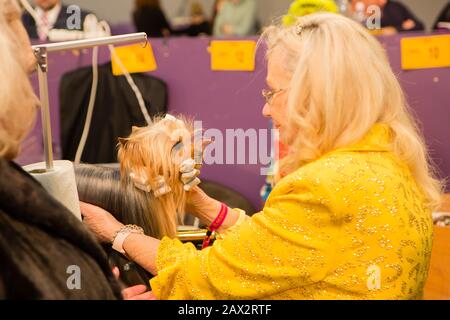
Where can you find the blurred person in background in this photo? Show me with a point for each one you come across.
(300, 8)
(443, 21)
(179, 12)
(52, 14)
(216, 9)
(236, 18)
(198, 23)
(395, 16)
(149, 17)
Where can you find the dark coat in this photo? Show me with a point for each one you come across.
(396, 13)
(116, 110)
(151, 20)
(40, 239)
(61, 21)
(444, 16)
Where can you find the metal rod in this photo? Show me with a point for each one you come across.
(41, 53)
(89, 43)
(45, 107)
(196, 235)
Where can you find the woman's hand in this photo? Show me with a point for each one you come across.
(408, 24)
(198, 202)
(389, 31)
(202, 206)
(138, 293)
(190, 168)
(189, 174)
(100, 222)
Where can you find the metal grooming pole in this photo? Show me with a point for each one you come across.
(41, 52)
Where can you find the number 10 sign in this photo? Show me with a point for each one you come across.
(425, 52)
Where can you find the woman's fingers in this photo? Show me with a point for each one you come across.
(187, 166)
(88, 210)
(193, 183)
(116, 272)
(133, 291)
(188, 177)
(189, 174)
(197, 200)
(138, 292)
(145, 296)
(100, 222)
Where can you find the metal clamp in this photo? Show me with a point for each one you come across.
(41, 55)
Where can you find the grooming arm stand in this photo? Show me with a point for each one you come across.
(41, 52)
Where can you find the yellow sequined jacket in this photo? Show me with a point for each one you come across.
(351, 225)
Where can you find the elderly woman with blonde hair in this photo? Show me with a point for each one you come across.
(350, 215)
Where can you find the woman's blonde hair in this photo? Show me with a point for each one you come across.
(17, 99)
(341, 85)
(154, 154)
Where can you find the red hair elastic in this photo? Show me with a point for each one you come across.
(215, 225)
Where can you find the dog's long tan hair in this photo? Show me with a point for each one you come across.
(157, 151)
(102, 186)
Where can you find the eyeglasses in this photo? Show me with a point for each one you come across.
(268, 95)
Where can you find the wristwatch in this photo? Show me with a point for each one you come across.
(122, 234)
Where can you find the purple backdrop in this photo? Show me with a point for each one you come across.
(231, 100)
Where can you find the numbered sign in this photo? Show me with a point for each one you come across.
(232, 55)
(134, 58)
(425, 52)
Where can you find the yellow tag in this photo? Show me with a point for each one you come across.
(425, 52)
(134, 58)
(232, 55)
